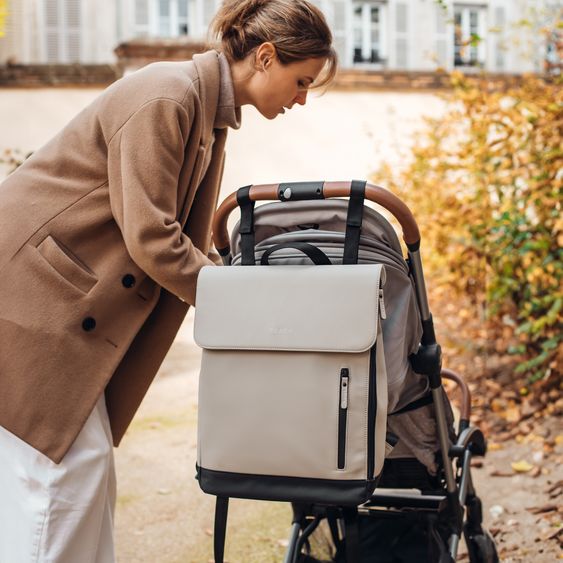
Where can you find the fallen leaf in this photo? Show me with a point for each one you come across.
(521, 466)
(164, 491)
(493, 446)
(535, 472)
(542, 509)
(554, 488)
(499, 473)
(496, 510)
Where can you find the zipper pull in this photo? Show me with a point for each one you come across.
(382, 305)
(344, 383)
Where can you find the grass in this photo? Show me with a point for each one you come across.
(255, 534)
(187, 419)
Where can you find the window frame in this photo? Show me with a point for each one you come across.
(477, 58)
(366, 31)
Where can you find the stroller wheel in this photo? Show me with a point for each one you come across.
(481, 548)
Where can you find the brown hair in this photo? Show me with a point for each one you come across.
(296, 28)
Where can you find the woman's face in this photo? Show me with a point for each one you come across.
(275, 87)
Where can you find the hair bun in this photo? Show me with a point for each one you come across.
(296, 28)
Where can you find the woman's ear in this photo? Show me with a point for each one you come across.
(265, 55)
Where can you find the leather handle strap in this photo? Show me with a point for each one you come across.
(247, 238)
(352, 538)
(354, 222)
(316, 255)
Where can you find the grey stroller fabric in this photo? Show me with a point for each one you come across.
(323, 224)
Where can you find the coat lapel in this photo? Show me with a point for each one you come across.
(208, 71)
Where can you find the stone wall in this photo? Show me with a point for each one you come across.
(16, 75)
(137, 53)
(409, 80)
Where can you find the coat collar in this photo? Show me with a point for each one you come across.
(216, 93)
(227, 114)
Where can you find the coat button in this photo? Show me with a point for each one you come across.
(128, 280)
(89, 324)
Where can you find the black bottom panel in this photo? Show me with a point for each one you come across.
(285, 489)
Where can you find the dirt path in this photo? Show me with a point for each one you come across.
(163, 517)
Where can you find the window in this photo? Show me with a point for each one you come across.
(368, 32)
(182, 24)
(469, 30)
(161, 18)
(62, 30)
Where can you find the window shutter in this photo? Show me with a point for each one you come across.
(499, 24)
(163, 18)
(63, 23)
(401, 38)
(141, 18)
(337, 20)
(52, 30)
(441, 37)
(209, 10)
(401, 17)
(72, 30)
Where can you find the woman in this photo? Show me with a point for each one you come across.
(103, 233)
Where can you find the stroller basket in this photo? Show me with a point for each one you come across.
(311, 223)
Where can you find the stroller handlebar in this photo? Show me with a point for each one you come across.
(316, 190)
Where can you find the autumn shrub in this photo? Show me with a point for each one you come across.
(485, 184)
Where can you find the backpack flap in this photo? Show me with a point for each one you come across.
(293, 386)
(294, 308)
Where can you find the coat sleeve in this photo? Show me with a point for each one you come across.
(144, 161)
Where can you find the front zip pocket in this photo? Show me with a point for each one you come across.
(342, 416)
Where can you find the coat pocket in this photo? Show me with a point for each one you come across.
(66, 264)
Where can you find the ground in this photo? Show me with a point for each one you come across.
(162, 516)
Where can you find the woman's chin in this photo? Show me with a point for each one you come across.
(271, 113)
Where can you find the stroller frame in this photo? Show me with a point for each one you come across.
(459, 503)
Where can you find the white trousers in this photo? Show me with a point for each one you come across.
(59, 513)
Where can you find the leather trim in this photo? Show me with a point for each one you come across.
(285, 489)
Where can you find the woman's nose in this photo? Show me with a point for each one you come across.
(301, 98)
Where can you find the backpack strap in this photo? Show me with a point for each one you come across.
(417, 404)
(352, 529)
(246, 228)
(354, 222)
(220, 529)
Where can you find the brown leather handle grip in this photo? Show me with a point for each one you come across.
(465, 393)
(381, 196)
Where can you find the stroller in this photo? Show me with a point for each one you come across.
(425, 495)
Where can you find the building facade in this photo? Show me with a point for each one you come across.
(419, 35)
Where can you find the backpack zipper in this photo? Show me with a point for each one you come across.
(372, 410)
(342, 416)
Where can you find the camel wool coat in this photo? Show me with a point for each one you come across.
(102, 234)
